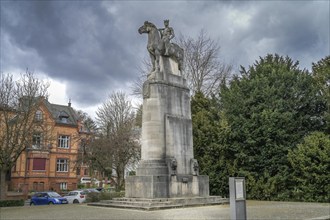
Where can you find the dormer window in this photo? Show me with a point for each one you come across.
(63, 116)
(38, 116)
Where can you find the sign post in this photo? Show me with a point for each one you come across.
(237, 198)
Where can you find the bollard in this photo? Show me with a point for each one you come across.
(237, 198)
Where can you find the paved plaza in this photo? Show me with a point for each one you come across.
(255, 210)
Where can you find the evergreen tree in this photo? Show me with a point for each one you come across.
(209, 148)
(269, 109)
(311, 165)
(321, 73)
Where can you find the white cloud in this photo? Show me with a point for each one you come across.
(57, 95)
(57, 92)
(239, 19)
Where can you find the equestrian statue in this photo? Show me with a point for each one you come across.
(159, 44)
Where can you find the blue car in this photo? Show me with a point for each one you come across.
(47, 198)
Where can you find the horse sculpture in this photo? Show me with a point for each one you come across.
(156, 47)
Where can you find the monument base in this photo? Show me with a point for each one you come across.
(166, 186)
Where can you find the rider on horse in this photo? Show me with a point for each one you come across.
(167, 34)
(158, 41)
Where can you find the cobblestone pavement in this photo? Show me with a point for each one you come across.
(255, 210)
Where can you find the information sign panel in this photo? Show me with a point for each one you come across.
(239, 188)
(237, 198)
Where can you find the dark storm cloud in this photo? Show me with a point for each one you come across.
(293, 28)
(94, 47)
(35, 26)
(289, 24)
(77, 42)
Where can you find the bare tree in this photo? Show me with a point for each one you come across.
(87, 134)
(117, 143)
(144, 71)
(87, 123)
(138, 116)
(202, 67)
(19, 101)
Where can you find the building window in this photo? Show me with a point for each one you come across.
(78, 171)
(62, 165)
(85, 172)
(41, 186)
(38, 116)
(35, 186)
(63, 186)
(39, 164)
(64, 120)
(64, 141)
(63, 116)
(36, 141)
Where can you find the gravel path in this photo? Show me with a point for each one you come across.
(255, 210)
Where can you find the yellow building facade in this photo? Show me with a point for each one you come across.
(50, 163)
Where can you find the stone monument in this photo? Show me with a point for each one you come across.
(168, 174)
(167, 168)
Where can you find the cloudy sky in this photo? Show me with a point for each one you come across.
(89, 49)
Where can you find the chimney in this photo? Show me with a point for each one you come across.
(69, 104)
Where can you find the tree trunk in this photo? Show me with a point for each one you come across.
(118, 181)
(3, 186)
(121, 176)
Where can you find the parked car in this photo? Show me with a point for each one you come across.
(85, 180)
(100, 189)
(76, 196)
(90, 190)
(47, 198)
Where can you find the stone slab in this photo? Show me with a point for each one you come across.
(166, 186)
(160, 203)
(146, 186)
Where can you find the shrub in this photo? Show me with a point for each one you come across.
(8, 203)
(93, 197)
(310, 162)
(80, 186)
(117, 194)
(96, 197)
(105, 196)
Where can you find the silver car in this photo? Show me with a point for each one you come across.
(76, 196)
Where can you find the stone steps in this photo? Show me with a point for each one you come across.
(160, 203)
(134, 206)
(138, 203)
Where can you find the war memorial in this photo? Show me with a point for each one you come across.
(168, 174)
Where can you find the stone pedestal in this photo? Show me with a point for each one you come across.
(167, 168)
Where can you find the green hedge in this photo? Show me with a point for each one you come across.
(93, 197)
(96, 197)
(8, 203)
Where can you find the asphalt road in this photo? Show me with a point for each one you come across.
(255, 210)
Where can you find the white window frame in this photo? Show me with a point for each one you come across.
(63, 186)
(64, 120)
(36, 140)
(62, 165)
(64, 141)
(38, 115)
